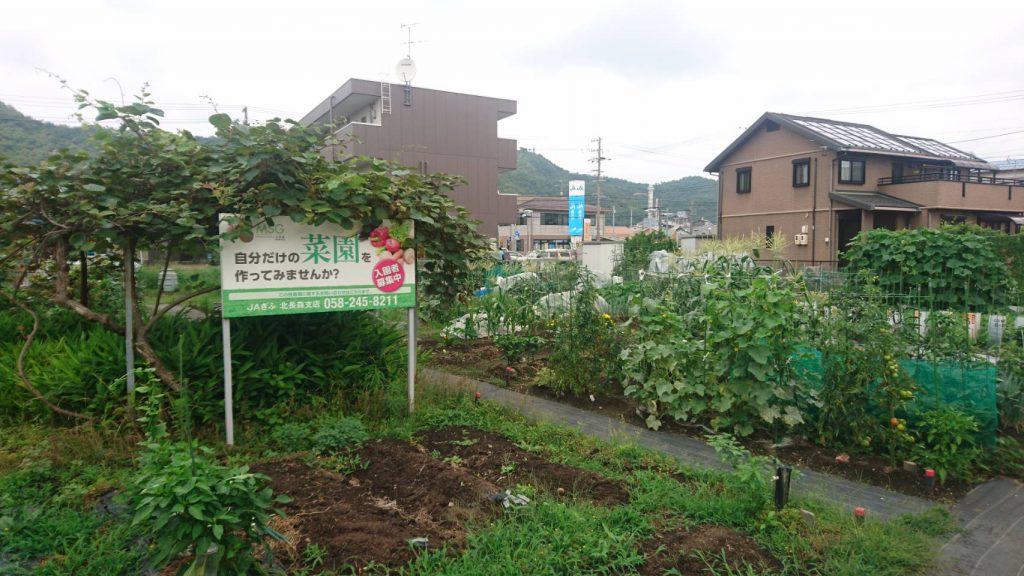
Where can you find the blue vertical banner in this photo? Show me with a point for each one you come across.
(577, 193)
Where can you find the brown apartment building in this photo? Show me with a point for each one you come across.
(429, 131)
(818, 183)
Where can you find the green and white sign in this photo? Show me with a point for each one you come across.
(291, 268)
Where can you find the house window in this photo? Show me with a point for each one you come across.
(851, 171)
(771, 126)
(769, 235)
(554, 219)
(801, 173)
(743, 180)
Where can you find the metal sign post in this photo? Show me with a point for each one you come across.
(283, 267)
(229, 409)
(129, 321)
(412, 360)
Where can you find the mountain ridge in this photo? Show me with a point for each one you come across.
(536, 175)
(25, 140)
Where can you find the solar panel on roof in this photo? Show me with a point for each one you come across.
(937, 148)
(856, 136)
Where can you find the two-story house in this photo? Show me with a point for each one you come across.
(429, 131)
(818, 183)
(543, 223)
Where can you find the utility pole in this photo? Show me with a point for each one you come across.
(598, 159)
(245, 114)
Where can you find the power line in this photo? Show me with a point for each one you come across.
(53, 102)
(987, 137)
(977, 99)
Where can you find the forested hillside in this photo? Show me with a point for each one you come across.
(25, 140)
(538, 176)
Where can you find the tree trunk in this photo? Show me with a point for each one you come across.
(83, 282)
(20, 364)
(140, 343)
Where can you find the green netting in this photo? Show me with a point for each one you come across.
(968, 387)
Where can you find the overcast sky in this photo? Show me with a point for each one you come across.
(667, 85)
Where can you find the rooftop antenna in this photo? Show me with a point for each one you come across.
(406, 68)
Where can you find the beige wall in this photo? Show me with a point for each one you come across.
(959, 195)
(773, 201)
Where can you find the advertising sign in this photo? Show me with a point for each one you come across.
(291, 268)
(577, 193)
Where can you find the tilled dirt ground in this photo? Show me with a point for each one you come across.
(680, 549)
(372, 515)
(407, 493)
(433, 488)
(496, 459)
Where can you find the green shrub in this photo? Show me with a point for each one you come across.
(1010, 383)
(637, 249)
(953, 267)
(187, 500)
(946, 442)
(282, 363)
(514, 347)
(292, 436)
(1007, 458)
(335, 434)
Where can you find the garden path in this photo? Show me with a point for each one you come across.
(991, 515)
(879, 502)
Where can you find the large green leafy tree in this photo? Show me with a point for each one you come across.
(636, 251)
(148, 188)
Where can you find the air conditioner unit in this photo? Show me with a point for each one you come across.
(800, 239)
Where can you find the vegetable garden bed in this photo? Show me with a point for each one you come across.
(481, 359)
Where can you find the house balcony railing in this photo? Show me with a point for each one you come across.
(950, 176)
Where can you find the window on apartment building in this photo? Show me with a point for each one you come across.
(952, 218)
(554, 219)
(743, 180)
(801, 172)
(851, 171)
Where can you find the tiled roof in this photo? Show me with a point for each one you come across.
(551, 204)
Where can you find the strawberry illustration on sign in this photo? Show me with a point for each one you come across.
(378, 236)
(388, 275)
